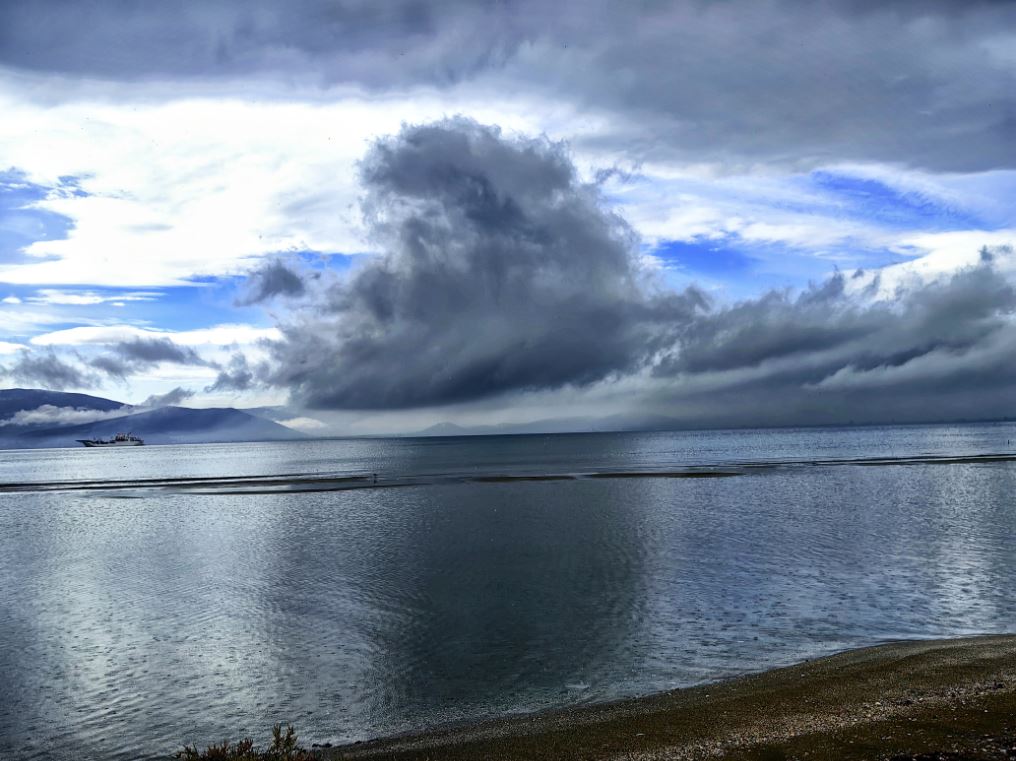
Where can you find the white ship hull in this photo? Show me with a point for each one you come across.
(92, 443)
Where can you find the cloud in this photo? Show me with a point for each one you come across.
(501, 272)
(138, 354)
(922, 83)
(216, 335)
(503, 275)
(277, 111)
(49, 415)
(236, 376)
(343, 40)
(503, 279)
(272, 279)
(86, 298)
(6, 347)
(47, 370)
(934, 349)
(153, 350)
(171, 398)
(306, 424)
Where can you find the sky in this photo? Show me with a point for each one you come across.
(381, 216)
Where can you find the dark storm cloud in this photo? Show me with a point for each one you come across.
(929, 84)
(351, 40)
(129, 357)
(501, 272)
(937, 350)
(270, 280)
(238, 375)
(954, 315)
(47, 370)
(801, 84)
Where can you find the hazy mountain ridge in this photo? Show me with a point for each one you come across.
(14, 400)
(162, 425)
(611, 424)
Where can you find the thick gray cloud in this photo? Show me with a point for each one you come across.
(344, 40)
(501, 272)
(928, 83)
(238, 375)
(942, 349)
(128, 357)
(272, 279)
(47, 370)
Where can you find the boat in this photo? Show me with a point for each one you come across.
(119, 440)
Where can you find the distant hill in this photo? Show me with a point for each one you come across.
(14, 400)
(53, 423)
(175, 425)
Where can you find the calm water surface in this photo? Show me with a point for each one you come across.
(139, 613)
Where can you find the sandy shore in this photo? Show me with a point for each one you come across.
(949, 699)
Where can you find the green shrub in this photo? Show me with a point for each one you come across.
(283, 748)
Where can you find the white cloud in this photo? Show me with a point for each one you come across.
(196, 181)
(942, 255)
(10, 300)
(188, 185)
(24, 322)
(88, 298)
(52, 415)
(6, 347)
(217, 335)
(303, 424)
(666, 205)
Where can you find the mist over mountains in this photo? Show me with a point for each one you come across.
(34, 418)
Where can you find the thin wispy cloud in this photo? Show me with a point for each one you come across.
(86, 298)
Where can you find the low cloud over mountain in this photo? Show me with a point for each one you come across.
(39, 418)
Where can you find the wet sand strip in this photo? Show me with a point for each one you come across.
(314, 483)
(668, 474)
(142, 483)
(945, 699)
(509, 479)
(971, 460)
(317, 482)
(301, 486)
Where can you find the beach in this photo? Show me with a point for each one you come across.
(940, 699)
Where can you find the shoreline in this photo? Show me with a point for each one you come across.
(896, 700)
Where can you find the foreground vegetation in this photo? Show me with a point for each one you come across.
(946, 700)
(283, 748)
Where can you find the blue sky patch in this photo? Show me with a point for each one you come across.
(710, 257)
(740, 269)
(20, 223)
(871, 200)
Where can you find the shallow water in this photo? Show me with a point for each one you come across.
(159, 611)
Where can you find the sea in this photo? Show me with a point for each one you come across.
(167, 595)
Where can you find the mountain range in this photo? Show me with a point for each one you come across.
(34, 418)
